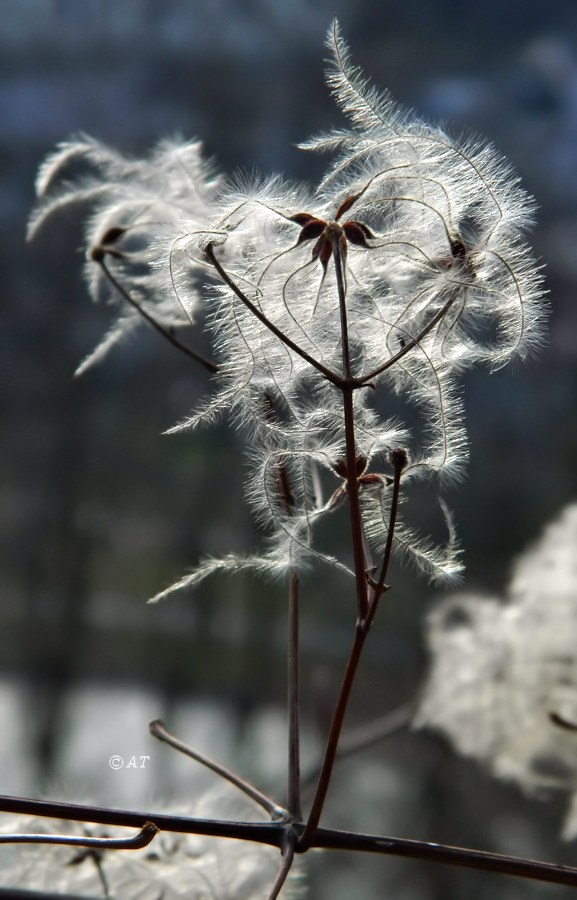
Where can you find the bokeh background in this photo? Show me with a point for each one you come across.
(99, 510)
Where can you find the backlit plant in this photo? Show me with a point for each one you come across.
(403, 268)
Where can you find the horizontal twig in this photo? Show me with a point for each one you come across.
(450, 855)
(275, 834)
(262, 833)
(142, 839)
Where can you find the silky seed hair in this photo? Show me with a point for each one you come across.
(412, 236)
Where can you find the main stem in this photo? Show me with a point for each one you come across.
(294, 776)
(361, 630)
(350, 443)
(308, 835)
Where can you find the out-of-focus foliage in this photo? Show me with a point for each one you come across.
(500, 669)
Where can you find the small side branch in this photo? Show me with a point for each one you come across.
(398, 459)
(208, 364)
(142, 839)
(331, 376)
(271, 833)
(158, 730)
(413, 342)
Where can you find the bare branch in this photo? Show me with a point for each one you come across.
(275, 834)
(142, 839)
(158, 730)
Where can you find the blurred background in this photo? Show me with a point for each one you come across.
(99, 510)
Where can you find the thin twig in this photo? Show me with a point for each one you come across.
(450, 855)
(399, 461)
(562, 722)
(142, 839)
(294, 776)
(341, 293)
(356, 522)
(287, 861)
(208, 364)
(158, 730)
(270, 833)
(365, 736)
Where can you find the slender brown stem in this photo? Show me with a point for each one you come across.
(158, 730)
(294, 775)
(357, 535)
(399, 460)
(366, 736)
(308, 836)
(287, 861)
(360, 563)
(208, 364)
(331, 376)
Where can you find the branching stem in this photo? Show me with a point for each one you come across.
(410, 345)
(331, 376)
(350, 444)
(275, 834)
(158, 730)
(366, 607)
(365, 736)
